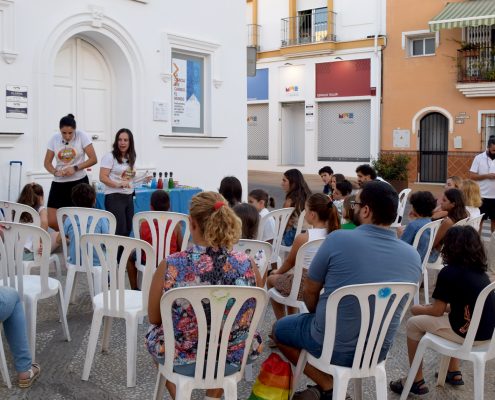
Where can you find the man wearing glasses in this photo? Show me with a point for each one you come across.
(371, 253)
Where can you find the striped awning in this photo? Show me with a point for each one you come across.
(467, 13)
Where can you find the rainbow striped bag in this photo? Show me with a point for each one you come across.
(274, 380)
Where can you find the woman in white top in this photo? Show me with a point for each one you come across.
(324, 218)
(260, 200)
(472, 197)
(117, 173)
(70, 148)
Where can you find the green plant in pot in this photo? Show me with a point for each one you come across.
(393, 168)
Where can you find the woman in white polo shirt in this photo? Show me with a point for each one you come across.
(70, 148)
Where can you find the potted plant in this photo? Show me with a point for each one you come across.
(393, 168)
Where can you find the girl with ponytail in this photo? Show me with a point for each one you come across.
(214, 230)
(323, 216)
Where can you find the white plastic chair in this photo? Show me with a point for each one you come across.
(251, 248)
(79, 218)
(211, 364)
(31, 288)
(386, 297)
(3, 363)
(477, 354)
(300, 224)
(12, 213)
(112, 300)
(475, 222)
(432, 227)
(403, 195)
(161, 241)
(304, 256)
(281, 218)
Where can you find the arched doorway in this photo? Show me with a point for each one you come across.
(83, 86)
(433, 147)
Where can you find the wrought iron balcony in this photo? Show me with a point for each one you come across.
(312, 27)
(476, 64)
(254, 38)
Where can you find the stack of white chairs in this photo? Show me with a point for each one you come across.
(281, 218)
(31, 288)
(12, 213)
(83, 221)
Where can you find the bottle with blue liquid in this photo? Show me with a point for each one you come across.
(153, 181)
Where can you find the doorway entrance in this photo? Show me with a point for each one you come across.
(82, 86)
(433, 147)
(292, 149)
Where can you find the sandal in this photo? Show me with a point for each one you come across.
(451, 376)
(418, 387)
(34, 373)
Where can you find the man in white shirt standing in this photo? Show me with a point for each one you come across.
(483, 171)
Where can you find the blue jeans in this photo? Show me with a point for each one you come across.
(14, 326)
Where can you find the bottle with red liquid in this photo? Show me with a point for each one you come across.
(159, 185)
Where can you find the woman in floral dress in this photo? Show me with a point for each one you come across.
(211, 261)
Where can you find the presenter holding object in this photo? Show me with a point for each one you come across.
(73, 151)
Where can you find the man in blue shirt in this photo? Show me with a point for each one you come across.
(369, 254)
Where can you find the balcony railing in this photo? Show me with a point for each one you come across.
(254, 38)
(308, 28)
(476, 64)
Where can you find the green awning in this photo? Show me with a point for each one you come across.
(467, 13)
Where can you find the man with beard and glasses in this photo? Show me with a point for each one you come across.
(371, 253)
(483, 171)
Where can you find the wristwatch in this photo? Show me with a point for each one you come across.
(76, 168)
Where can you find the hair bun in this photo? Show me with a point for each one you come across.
(71, 116)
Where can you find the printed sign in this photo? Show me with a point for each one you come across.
(343, 78)
(16, 101)
(291, 82)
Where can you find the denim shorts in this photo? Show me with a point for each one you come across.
(295, 331)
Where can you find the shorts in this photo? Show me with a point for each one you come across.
(61, 193)
(488, 208)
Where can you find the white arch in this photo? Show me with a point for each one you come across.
(94, 24)
(427, 110)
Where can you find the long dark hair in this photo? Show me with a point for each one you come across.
(231, 189)
(462, 246)
(30, 196)
(131, 152)
(250, 219)
(298, 189)
(326, 211)
(458, 212)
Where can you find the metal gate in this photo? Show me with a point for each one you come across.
(433, 148)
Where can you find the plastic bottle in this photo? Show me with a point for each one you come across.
(171, 184)
(153, 181)
(160, 181)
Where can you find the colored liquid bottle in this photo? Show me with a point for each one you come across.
(171, 184)
(153, 181)
(160, 181)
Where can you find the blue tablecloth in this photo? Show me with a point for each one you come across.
(179, 199)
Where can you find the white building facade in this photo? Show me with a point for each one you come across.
(126, 64)
(316, 97)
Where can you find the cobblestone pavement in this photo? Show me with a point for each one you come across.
(62, 361)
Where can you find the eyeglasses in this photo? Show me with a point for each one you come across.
(354, 203)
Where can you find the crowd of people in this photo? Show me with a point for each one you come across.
(358, 247)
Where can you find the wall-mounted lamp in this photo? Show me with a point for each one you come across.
(287, 63)
(338, 59)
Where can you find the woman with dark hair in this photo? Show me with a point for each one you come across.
(118, 172)
(453, 203)
(297, 192)
(322, 215)
(231, 189)
(459, 283)
(69, 148)
(250, 218)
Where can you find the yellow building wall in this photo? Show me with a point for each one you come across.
(413, 83)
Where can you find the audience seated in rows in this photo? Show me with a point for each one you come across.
(369, 254)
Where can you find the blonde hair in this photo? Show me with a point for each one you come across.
(456, 180)
(471, 192)
(219, 225)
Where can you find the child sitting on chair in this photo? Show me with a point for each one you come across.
(83, 195)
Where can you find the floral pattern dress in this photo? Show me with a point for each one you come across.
(205, 266)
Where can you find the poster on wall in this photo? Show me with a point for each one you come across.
(343, 78)
(292, 82)
(187, 93)
(16, 101)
